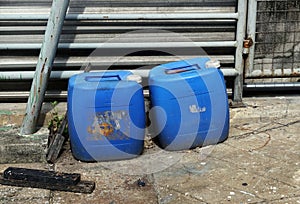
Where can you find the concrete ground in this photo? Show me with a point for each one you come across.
(259, 163)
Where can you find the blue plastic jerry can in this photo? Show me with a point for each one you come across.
(106, 116)
(189, 103)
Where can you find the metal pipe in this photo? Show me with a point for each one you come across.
(8, 62)
(272, 86)
(145, 45)
(28, 75)
(124, 16)
(44, 65)
(278, 73)
(251, 31)
(8, 96)
(239, 62)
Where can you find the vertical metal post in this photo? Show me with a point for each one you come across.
(239, 62)
(44, 65)
(251, 29)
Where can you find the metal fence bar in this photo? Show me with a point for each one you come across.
(239, 62)
(29, 46)
(44, 66)
(27, 75)
(272, 86)
(275, 74)
(24, 62)
(251, 29)
(24, 95)
(123, 16)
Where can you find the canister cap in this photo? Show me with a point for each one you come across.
(213, 64)
(134, 77)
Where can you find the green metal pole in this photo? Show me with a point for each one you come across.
(44, 65)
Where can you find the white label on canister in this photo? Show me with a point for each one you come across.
(197, 109)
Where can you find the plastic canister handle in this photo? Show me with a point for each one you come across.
(103, 78)
(182, 69)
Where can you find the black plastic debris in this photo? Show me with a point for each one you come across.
(46, 180)
(41, 176)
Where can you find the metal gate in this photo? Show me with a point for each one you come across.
(217, 26)
(274, 26)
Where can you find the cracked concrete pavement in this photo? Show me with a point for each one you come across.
(258, 163)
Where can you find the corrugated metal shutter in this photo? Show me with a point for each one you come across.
(20, 39)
